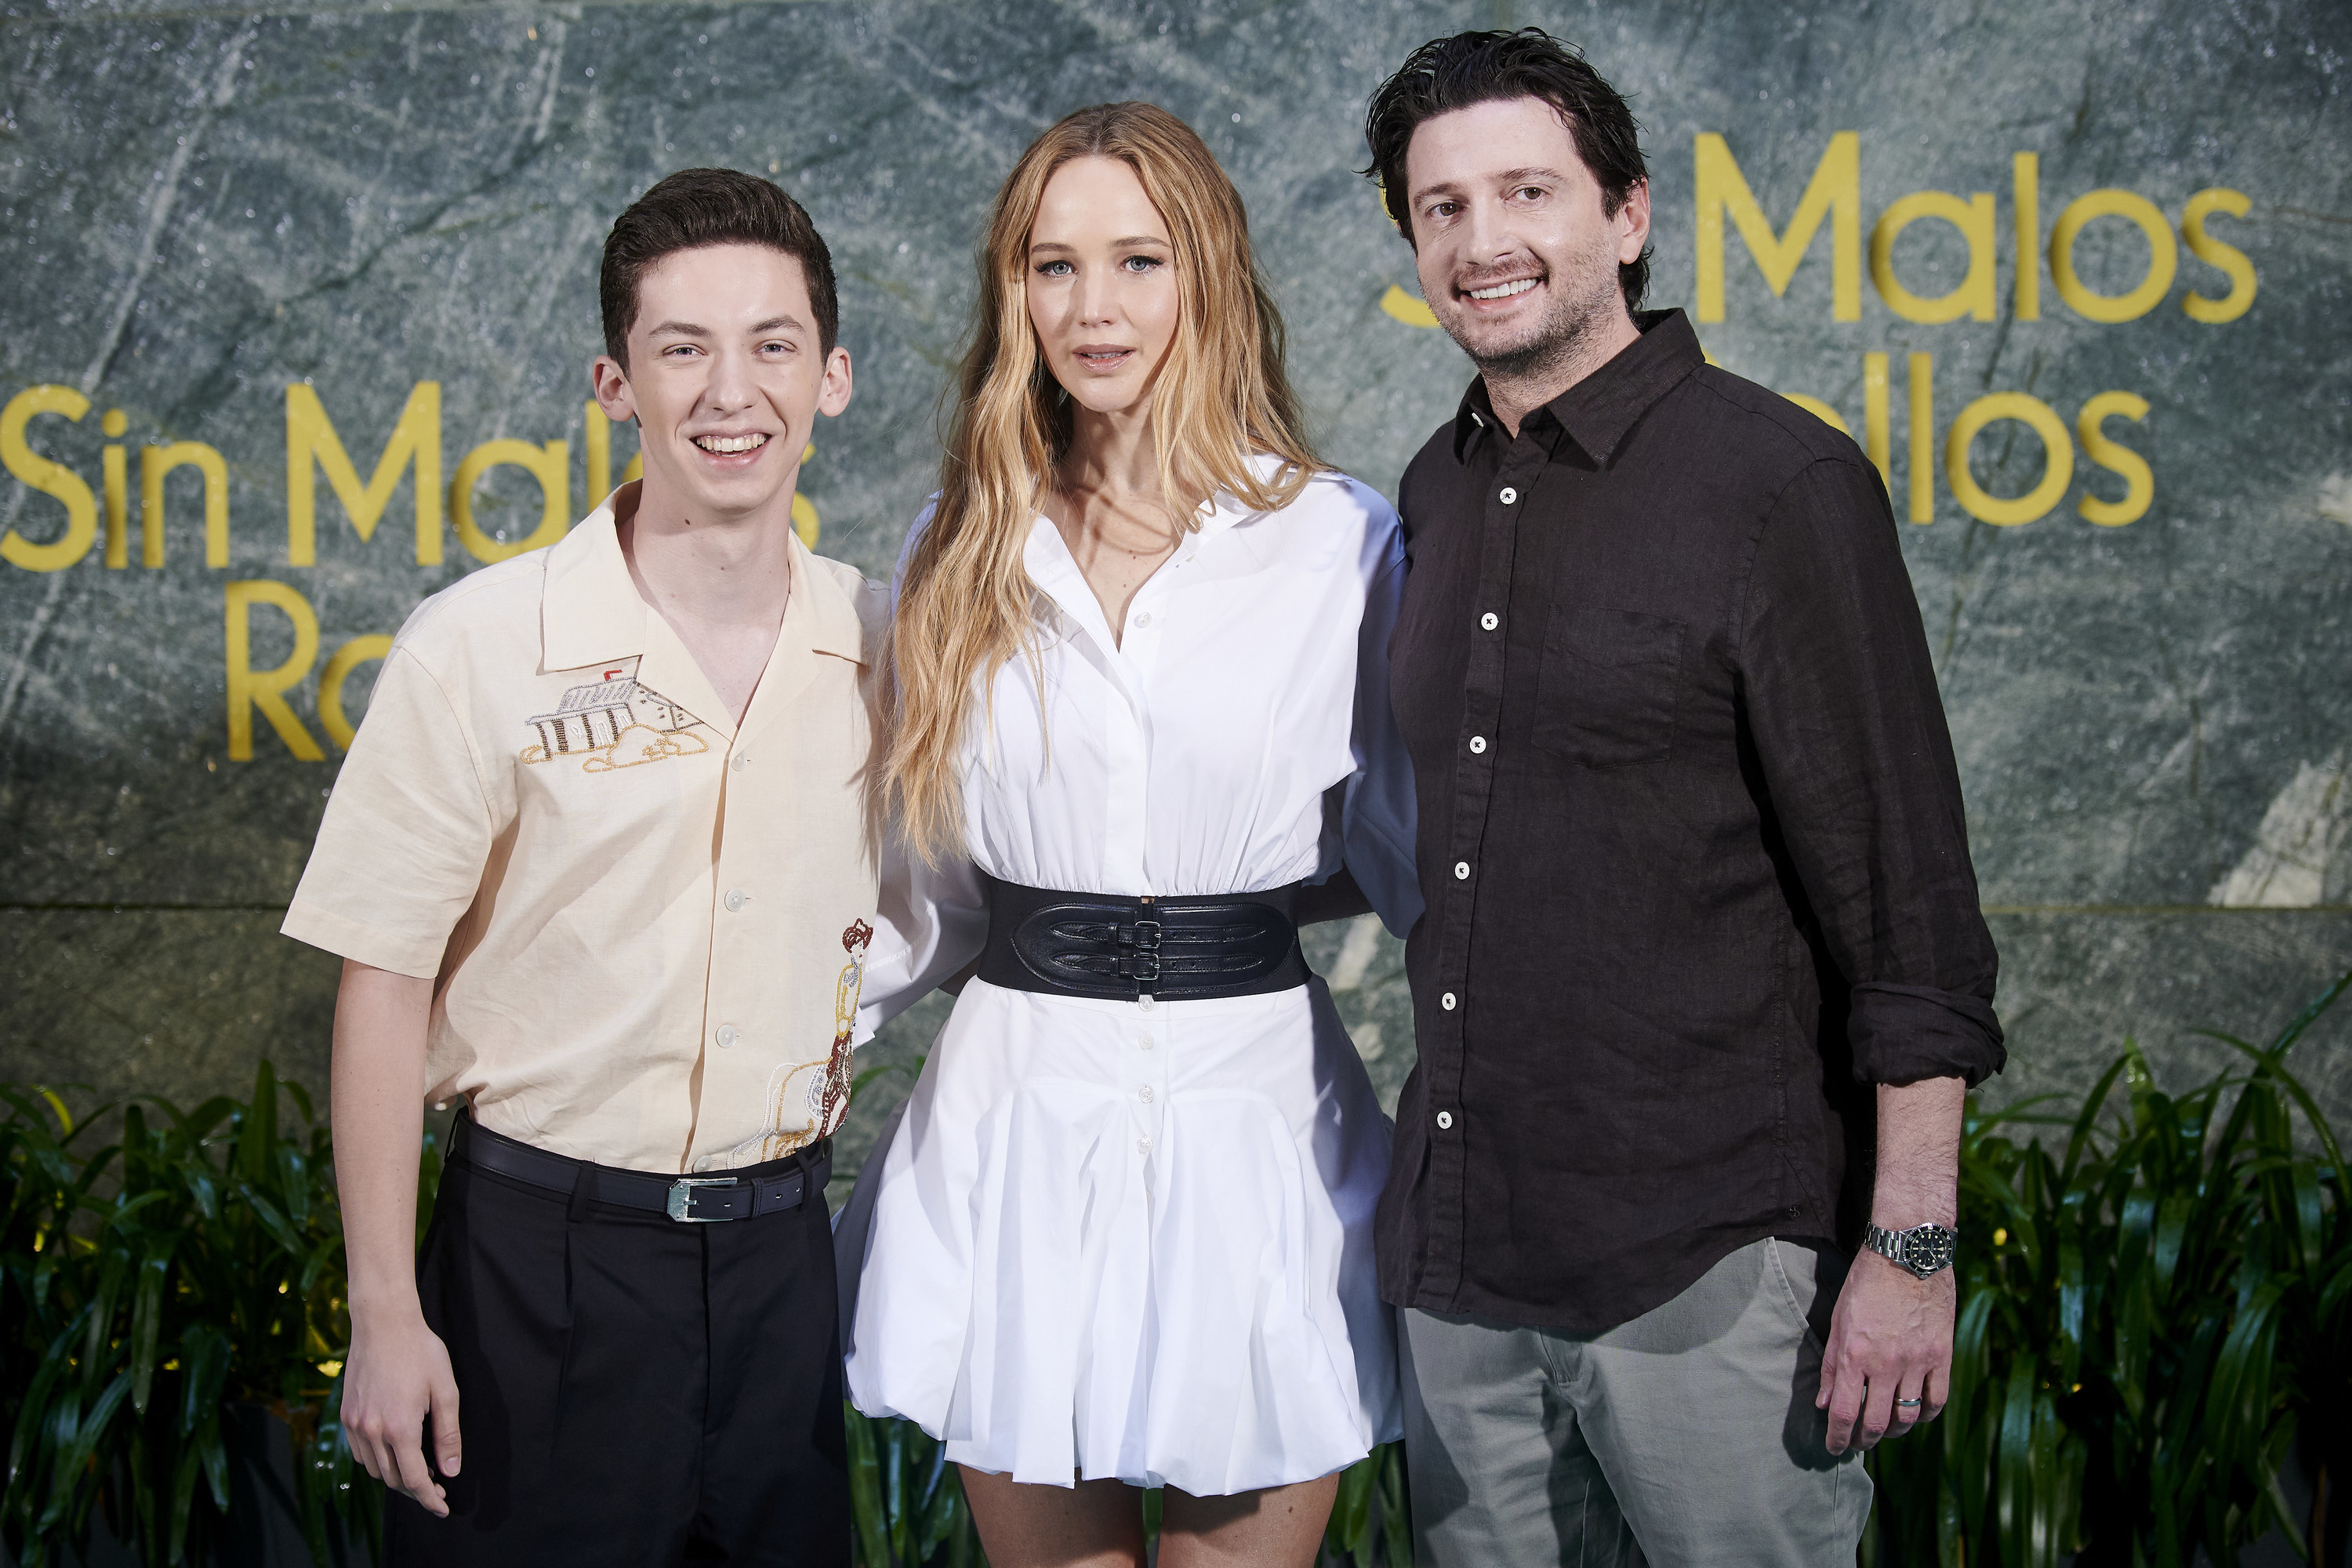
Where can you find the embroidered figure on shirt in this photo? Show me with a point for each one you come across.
(830, 1096)
(617, 722)
(825, 1101)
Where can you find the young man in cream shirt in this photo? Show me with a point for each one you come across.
(601, 863)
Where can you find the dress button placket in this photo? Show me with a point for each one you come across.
(1148, 1076)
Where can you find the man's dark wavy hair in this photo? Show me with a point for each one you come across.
(695, 207)
(1448, 74)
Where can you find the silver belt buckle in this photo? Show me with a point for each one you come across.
(681, 1198)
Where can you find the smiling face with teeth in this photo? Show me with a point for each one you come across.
(726, 376)
(1517, 255)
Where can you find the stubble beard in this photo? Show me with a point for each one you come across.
(1584, 291)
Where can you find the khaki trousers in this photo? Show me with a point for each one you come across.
(1686, 1438)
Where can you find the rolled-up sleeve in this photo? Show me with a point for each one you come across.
(1849, 730)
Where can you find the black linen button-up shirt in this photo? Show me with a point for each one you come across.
(1691, 841)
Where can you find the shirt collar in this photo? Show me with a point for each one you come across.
(1054, 572)
(819, 614)
(1600, 411)
(1224, 510)
(590, 612)
(1052, 568)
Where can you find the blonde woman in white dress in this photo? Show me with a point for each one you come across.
(1121, 1237)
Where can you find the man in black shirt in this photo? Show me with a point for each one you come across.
(1703, 979)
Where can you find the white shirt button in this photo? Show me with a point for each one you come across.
(1462, 870)
(1446, 1001)
(735, 899)
(1143, 1040)
(1145, 1092)
(1490, 620)
(1445, 1120)
(725, 1035)
(740, 761)
(1144, 1003)
(1144, 1144)
(1477, 743)
(1508, 495)
(706, 1163)
(1143, 619)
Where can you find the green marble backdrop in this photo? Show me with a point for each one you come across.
(204, 205)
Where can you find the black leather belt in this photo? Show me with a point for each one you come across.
(763, 1189)
(1120, 949)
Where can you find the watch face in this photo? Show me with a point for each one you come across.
(1928, 1248)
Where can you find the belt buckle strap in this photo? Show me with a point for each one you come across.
(681, 1198)
(1142, 963)
(785, 1192)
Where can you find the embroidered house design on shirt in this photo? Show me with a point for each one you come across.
(617, 722)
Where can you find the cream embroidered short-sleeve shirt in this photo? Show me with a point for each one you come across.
(648, 927)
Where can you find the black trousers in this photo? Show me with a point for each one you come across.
(631, 1390)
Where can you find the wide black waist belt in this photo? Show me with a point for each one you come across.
(1121, 949)
(763, 1189)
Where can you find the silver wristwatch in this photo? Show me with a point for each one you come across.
(1923, 1249)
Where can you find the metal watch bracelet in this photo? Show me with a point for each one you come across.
(1923, 1249)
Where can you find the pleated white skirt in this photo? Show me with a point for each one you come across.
(1108, 1240)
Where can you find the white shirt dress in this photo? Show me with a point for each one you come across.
(1127, 1238)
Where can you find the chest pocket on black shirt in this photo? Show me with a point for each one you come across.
(1607, 691)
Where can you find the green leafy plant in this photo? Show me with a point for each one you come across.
(149, 1285)
(1371, 1518)
(907, 1500)
(2153, 1311)
(2156, 1309)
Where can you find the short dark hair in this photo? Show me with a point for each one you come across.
(1448, 74)
(695, 207)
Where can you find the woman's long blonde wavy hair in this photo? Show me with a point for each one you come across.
(966, 605)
